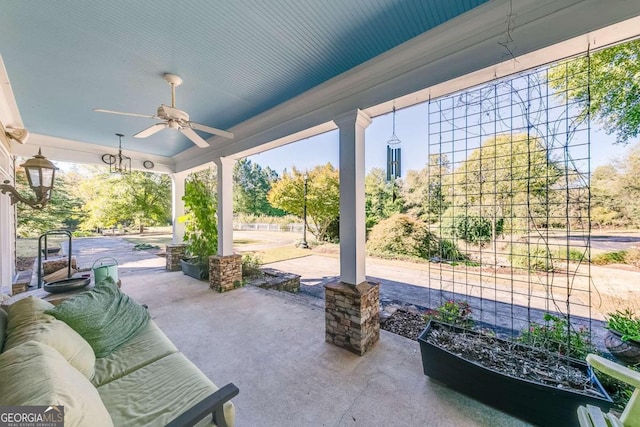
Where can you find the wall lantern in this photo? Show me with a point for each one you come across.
(41, 175)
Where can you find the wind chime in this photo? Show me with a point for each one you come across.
(393, 157)
(393, 153)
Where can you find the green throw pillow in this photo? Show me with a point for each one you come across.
(104, 316)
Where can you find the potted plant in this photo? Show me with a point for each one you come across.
(201, 229)
(623, 338)
(537, 385)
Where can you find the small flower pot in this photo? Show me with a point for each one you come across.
(193, 268)
(626, 351)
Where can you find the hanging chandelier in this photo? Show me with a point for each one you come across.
(119, 163)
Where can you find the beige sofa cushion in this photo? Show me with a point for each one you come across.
(28, 322)
(36, 374)
(159, 392)
(147, 346)
(3, 327)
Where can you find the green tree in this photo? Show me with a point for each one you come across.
(382, 198)
(323, 197)
(507, 179)
(61, 211)
(141, 198)
(606, 85)
(251, 184)
(425, 191)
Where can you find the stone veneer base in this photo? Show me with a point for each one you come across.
(174, 253)
(225, 272)
(352, 315)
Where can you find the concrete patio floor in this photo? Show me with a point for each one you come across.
(271, 345)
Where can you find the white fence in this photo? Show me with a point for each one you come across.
(261, 226)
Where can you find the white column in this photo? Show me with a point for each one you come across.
(225, 205)
(352, 201)
(177, 205)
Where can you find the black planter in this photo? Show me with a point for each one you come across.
(193, 268)
(536, 403)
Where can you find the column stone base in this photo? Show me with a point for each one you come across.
(352, 315)
(174, 254)
(225, 272)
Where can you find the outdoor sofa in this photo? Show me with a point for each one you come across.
(144, 381)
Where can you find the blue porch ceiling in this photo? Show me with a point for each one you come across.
(238, 58)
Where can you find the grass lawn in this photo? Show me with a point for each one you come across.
(29, 247)
(282, 253)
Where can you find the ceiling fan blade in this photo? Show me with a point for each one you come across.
(211, 130)
(150, 130)
(193, 136)
(100, 110)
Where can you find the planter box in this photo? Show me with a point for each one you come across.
(195, 269)
(536, 403)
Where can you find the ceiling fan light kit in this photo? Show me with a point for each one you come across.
(173, 118)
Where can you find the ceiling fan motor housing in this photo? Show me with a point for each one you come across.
(169, 113)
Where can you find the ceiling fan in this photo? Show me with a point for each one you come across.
(173, 118)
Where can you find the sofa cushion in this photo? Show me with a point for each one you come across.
(36, 374)
(147, 346)
(27, 321)
(105, 316)
(159, 392)
(3, 327)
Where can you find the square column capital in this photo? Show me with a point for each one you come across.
(353, 118)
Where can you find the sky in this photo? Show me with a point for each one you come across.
(411, 129)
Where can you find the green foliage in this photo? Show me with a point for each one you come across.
(558, 336)
(251, 265)
(605, 84)
(473, 229)
(323, 197)
(405, 235)
(626, 323)
(616, 257)
(251, 184)
(448, 251)
(382, 198)
(425, 192)
(452, 312)
(201, 231)
(530, 258)
(496, 186)
(62, 211)
(141, 198)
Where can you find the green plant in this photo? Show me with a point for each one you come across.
(476, 229)
(558, 336)
(626, 323)
(201, 230)
(251, 264)
(402, 234)
(450, 252)
(617, 257)
(531, 258)
(452, 312)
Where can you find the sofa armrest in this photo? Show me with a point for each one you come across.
(211, 404)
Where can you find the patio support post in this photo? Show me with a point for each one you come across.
(176, 250)
(225, 268)
(352, 311)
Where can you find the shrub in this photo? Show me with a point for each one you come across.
(531, 258)
(617, 257)
(403, 235)
(558, 336)
(632, 257)
(251, 264)
(471, 228)
(455, 313)
(449, 251)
